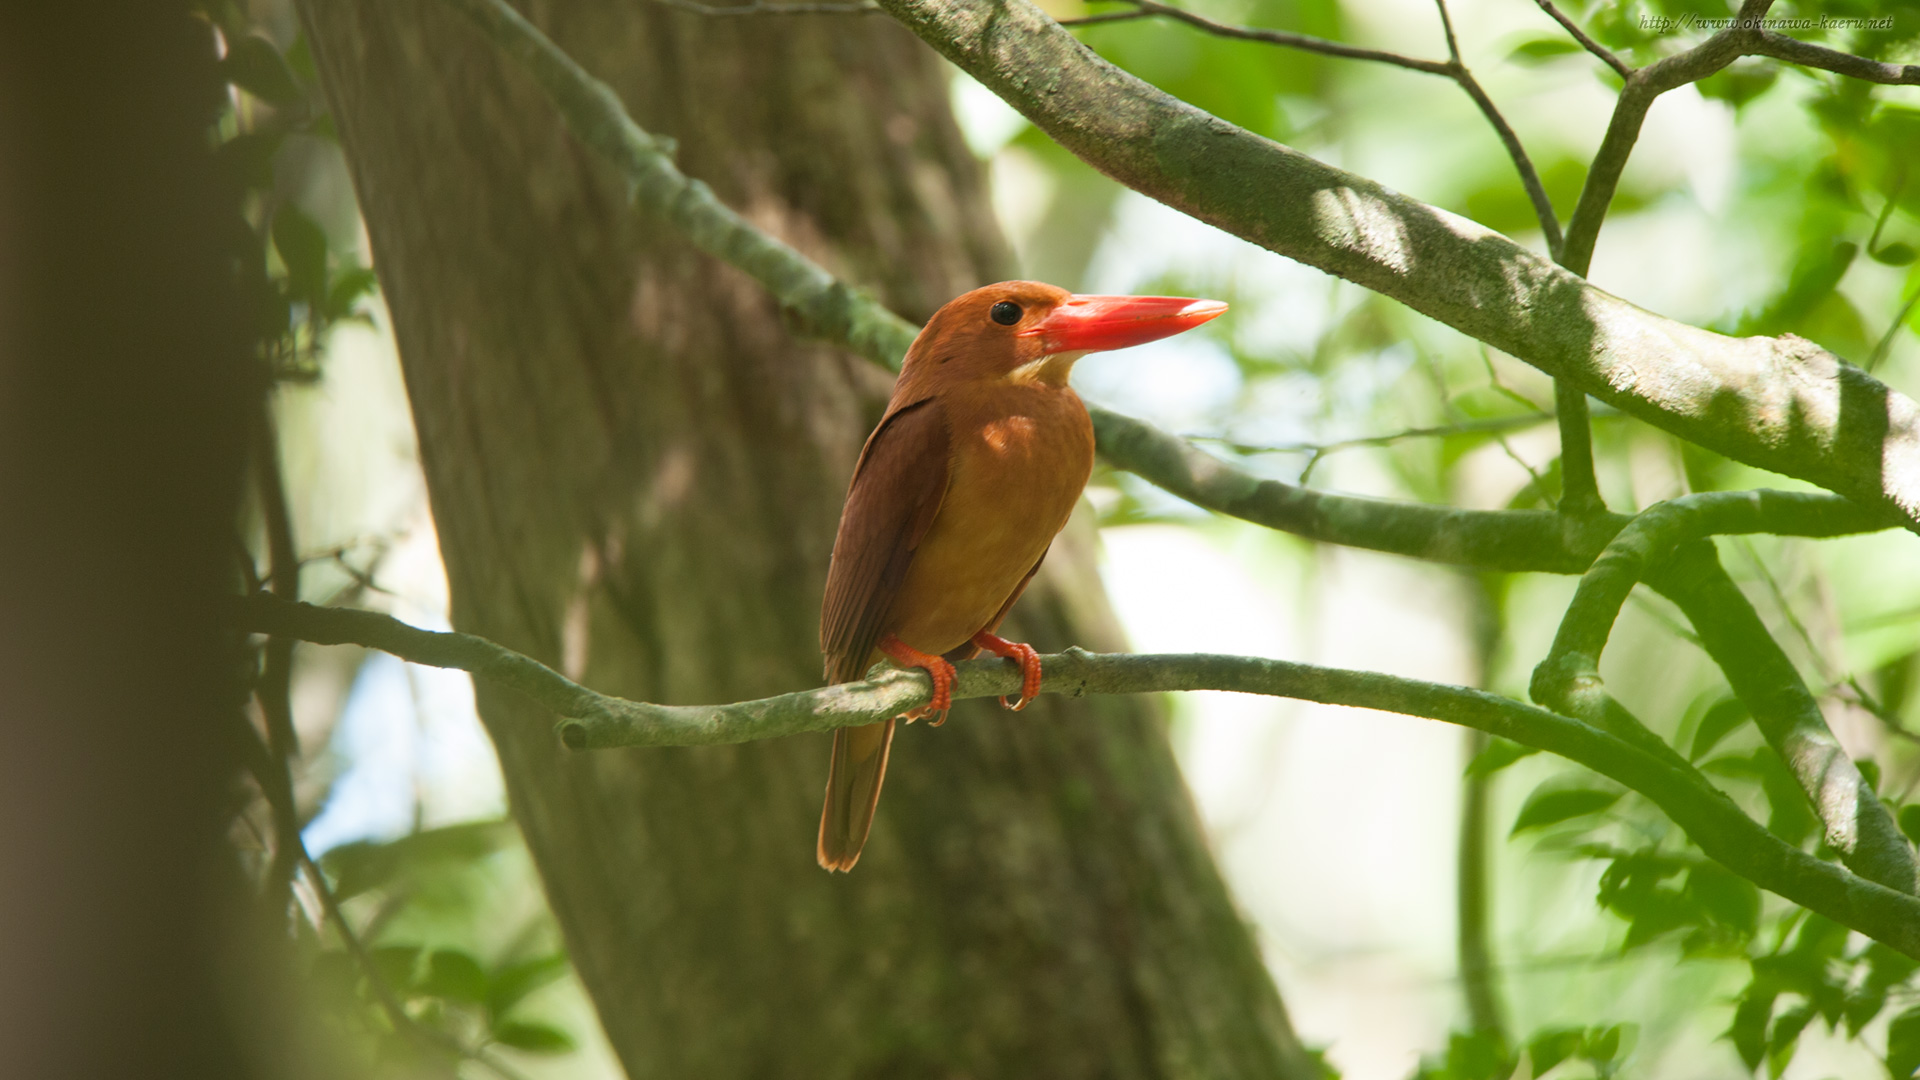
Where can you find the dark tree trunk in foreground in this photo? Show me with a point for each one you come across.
(636, 474)
(125, 391)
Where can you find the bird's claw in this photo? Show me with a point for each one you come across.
(937, 669)
(1020, 653)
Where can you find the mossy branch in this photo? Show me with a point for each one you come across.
(598, 721)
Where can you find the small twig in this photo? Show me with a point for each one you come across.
(1303, 42)
(759, 7)
(1885, 344)
(274, 690)
(1499, 386)
(1620, 67)
(1451, 68)
(1465, 427)
(1786, 609)
(1857, 695)
(1439, 380)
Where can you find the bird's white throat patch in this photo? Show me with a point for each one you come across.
(1050, 370)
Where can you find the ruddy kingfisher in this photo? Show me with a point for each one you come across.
(973, 470)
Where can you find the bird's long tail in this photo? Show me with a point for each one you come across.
(853, 791)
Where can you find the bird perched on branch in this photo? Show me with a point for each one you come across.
(982, 453)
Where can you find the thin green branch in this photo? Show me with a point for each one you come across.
(1479, 974)
(1320, 450)
(1579, 484)
(1515, 540)
(1885, 344)
(1304, 42)
(596, 721)
(1630, 112)
(1793, 51)
(1620, 67)
(760, 8)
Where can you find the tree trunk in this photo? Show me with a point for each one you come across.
(125, 394)
(636, 473)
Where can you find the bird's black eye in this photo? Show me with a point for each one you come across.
(1006, 313)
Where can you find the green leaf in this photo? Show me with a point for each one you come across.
(1739, 83)
(1903, 1044)
(1715, 724)
(247, 158)
(514, 982)
(254, 65)
(1477, 1055)
(303, 248)
(1728, 899)
(396, 965)
(1817, 273)
(1910, 821)
(1553, 1046)
(1749, 1030)
(1870, 772)
(1604, 1045)
(1498, 754)
(349, 285)
(1542, 49)
(1894, 254)
(1551, 805)
(456, 976)
(533, 1037)
(1785, 1037)
(365, 865)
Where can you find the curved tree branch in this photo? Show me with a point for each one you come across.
(597, 721)
(1853, 818)
(1778, 403)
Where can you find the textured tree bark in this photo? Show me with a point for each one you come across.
(636, 473)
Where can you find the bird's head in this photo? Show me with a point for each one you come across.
(1028, 331)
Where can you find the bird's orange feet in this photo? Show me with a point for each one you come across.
(937, 669)
(1022, 654)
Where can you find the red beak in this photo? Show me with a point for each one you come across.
(1098, 323)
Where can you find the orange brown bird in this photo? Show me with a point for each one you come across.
(982, 453)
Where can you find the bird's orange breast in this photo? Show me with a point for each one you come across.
(1020, 458)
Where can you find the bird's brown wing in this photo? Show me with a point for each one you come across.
(896, 492)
